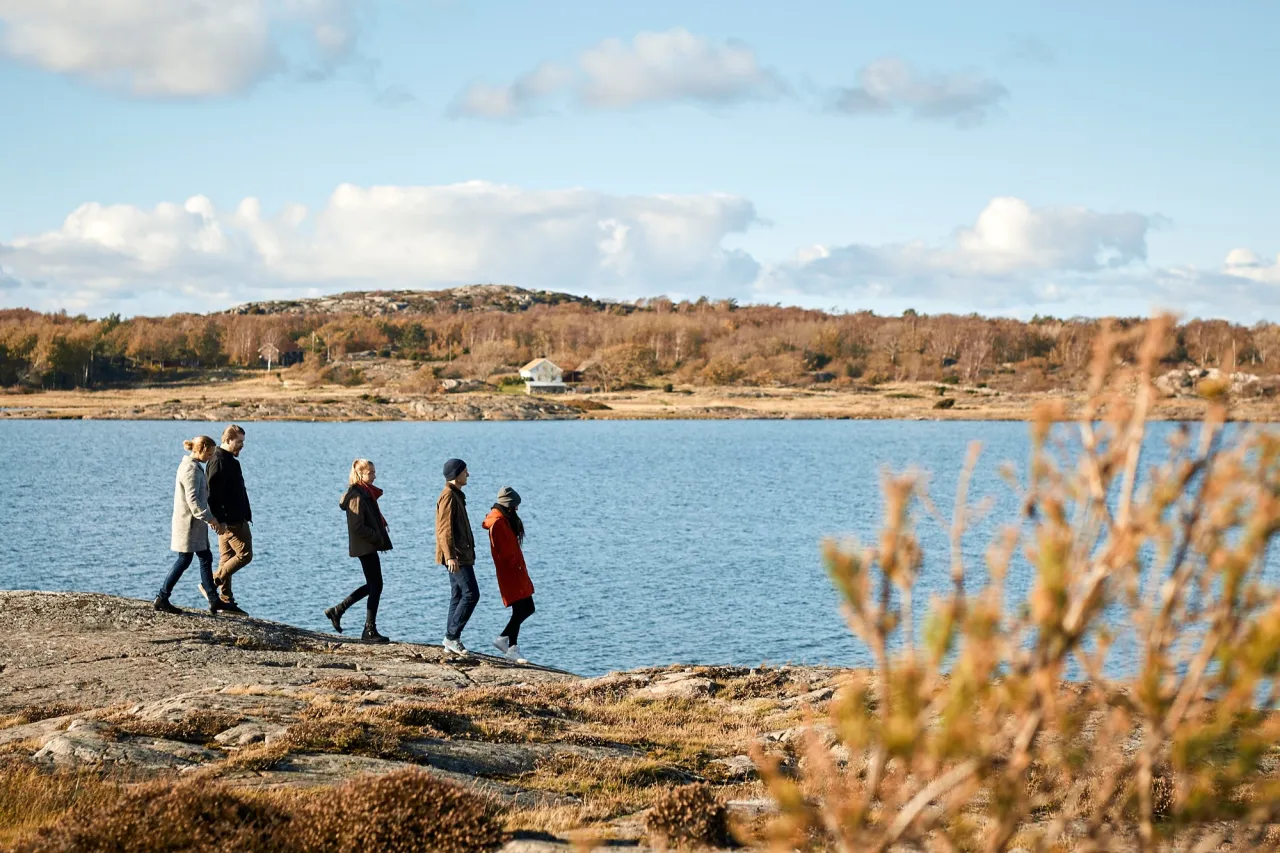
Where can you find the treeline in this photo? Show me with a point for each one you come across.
(712, 343)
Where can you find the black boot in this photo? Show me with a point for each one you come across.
(162, 604)
(335, 617)
(372, 636)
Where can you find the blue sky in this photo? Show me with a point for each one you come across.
(1008, 158)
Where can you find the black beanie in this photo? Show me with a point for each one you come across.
(453, 468)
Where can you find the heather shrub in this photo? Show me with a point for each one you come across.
(162, 816)
(690, 815)
(968, 735)
(353, 736)
(195, 727)
(44, 711)
(405, 811)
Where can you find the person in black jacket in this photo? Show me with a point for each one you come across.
(367, 535)
(229, 503)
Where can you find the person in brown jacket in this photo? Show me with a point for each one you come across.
(456, 551)
(366, 535)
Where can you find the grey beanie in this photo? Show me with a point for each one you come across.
(454, 467)
(508, 497)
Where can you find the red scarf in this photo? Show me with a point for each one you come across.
(374, 493)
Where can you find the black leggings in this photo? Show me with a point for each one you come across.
(520, 611)
(371, 587)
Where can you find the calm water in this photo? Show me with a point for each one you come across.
(649, 542)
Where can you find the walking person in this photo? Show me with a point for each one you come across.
(456, 551)
(229, 503)
(189, 534)
(506, 535)
(366, 536)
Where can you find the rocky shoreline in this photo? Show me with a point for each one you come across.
(96, 682)
(256, 400)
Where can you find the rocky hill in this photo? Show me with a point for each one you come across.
(98, 684)
(380, 303)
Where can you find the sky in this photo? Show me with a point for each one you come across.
(1005, 158)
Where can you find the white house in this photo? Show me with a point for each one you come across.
(542, 376)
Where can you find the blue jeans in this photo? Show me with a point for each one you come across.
(180, 566)
(462, 601)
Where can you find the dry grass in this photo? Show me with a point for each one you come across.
(347, 683)
(42, 711)
(31, 797)
(405, 811)
(196, 727)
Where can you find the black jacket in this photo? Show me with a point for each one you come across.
(228, 501)
(365, 533)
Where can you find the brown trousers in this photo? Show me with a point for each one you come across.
(235, 551)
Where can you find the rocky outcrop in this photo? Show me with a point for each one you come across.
(381, 303)
(1185, 382)
(91, 681)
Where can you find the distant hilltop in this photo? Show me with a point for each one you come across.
(375, 303)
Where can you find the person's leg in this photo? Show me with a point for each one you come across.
(469, 598)
(359, 593)
(175, 574)
(372, 566)
(462, 600)
(520, 611)
(236, 552)
(456, 588)
(206, 576)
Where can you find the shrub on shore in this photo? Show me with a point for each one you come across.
(967, 736)
(688, 816)
(406, 811)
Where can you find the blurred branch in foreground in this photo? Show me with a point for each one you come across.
(967, 734)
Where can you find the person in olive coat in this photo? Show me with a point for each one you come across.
(367, 535)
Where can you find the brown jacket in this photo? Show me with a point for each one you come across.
(453, 529)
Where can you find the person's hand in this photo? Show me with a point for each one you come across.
(452, 565)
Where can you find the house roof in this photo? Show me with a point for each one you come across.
(537, 361)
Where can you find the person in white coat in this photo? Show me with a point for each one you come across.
(191, 522)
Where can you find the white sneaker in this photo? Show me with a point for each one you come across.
(455, 647)
(513, 654)
(502, 644)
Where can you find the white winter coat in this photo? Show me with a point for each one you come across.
(191, 515)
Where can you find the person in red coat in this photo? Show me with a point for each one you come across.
(506, 533)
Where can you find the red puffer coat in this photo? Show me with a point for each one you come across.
(508, 559)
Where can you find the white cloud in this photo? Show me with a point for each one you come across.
(890, 84)
(1012, 251)
(196, 256)
(1244, 263)
(674, 65)
(176, 48)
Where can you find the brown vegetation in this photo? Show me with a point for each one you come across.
(965, 737)
(405, 811)
(689, 816)
(615, 345)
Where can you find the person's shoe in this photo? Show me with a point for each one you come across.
(513, 654)
(455, 647)
(372, 636)
(215, 606)
(502, 644)
(162, 604)
(230, 607)
(335, 618)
